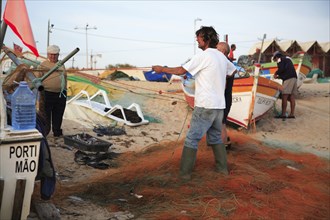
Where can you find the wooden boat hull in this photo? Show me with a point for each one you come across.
(267, 93)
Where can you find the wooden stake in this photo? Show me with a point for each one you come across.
(18, 199)
(2, 184)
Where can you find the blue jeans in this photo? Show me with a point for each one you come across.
(204, 121)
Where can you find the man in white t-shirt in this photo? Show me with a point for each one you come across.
(210, 69)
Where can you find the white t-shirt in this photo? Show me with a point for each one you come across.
(210, 68)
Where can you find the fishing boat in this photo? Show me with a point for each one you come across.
(252, 97)
(131, 116)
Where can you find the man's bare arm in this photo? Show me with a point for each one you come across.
(171, 70)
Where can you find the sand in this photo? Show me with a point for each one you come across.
(163, 104)
(309, 132)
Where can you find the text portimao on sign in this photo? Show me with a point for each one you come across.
(25, 157)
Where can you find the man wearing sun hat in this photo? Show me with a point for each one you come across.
(54, 94)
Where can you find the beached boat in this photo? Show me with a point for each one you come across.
(131, 116)
(252, 98)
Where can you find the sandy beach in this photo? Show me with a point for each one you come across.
(141, 183)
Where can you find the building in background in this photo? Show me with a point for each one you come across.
(319, 52)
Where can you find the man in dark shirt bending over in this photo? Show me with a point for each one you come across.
(287, 73)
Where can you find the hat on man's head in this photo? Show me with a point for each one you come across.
(277, 54)
(53, 49)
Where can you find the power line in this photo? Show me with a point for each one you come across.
(142, 49)
(122, 38)
(127, 50)
(137, 40)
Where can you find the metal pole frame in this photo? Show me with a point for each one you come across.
(195, 21)
(3, 28)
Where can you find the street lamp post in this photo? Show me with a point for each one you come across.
(86, 29)
(49, 30)
(93, 59)
(195, 21)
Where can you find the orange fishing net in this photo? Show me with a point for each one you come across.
(264, 183)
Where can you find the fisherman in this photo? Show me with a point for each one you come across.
(231, 52)
(223, 47)
(54, 95)
(210, 68)
(256, 55)
(287, 73)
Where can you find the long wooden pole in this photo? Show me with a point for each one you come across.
(18, 199)
(262, 45)
(251, 121)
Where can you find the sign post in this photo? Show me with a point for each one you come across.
(19, 156)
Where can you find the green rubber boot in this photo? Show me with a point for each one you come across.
(220, 156)
(188, 159)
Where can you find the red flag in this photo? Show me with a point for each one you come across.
(18, 48)
(16, 17)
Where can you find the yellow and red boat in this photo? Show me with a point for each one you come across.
(252, 98)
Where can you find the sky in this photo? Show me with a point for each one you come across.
(146, 33)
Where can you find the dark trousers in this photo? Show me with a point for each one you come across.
(228, 97)
(55, 103)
